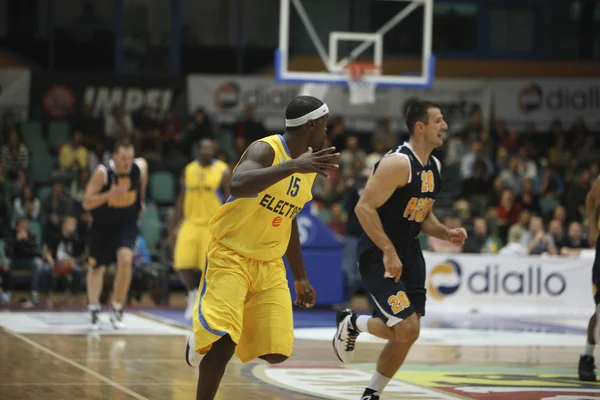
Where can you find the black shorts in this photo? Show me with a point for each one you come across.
(395, 301)
(104, 243)
(596, 274)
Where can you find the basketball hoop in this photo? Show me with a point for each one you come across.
(360, 82)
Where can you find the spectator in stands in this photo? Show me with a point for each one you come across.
(555, 229)
(587, 152)
(527, 168)
(5, 283)
(572, 244)
(379, 149)
(551, 189)
(508, 213)
(78, 185)
(511, 177)
(74, 156)
(89, 125)
(98, 155)
(337, 221)
(476, 188)
(499, 133)
(171, 133)
(63, 246)
(336, 131)
(467, 163)
(117, 125)
(575, 196)
(481, 241)
(14, 156)
(558, 154)
(5, 201)
(516, 231)
(443, 246)
(527, 198)
(502, 160)
(351, 152)
(353, 233)
(23, 252)
(536, 241)
(200, 128)
(384, 138)
(473, 128)
(488, 147)
(9, 125)
(148, 131)
(249, 128)
(495, 193)
(560, 214)
(55, 206)
(26, 205)
(512, 143)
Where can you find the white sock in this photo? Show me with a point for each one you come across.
(117, 306)
(378, 382)
(93, 307)
(589, 349)
(362, 323)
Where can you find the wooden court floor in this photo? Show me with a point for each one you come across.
(57, 367)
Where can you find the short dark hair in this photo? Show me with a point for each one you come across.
(126, 143)
(418, 111)
(301, 106)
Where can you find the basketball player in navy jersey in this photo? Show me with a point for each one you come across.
(115, 195)
(587, 368)
(395, 206)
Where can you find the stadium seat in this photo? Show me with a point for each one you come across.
(32, 133)
(151, 214)
(151, 232)
(2, 249)
(58, 134)
(43, 191)
(41, 167)
(36, 228)
(162, 187)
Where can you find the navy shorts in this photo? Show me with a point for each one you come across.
(104, 244)
(395, 301)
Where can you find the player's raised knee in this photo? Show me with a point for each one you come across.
(274, 358)
(407, 331)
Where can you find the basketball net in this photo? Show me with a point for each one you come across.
(360, 82)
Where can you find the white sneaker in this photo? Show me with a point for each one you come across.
(116, 319)
(191, 302)
(345, 336)
(191, 357)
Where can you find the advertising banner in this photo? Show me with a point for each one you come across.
(59, 94)
(544, 100)
(225, 98)
(14, 91)
(508, 285)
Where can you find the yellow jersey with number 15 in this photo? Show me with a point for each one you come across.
(203, 195)
(259, 227)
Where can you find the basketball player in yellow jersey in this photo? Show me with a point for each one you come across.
(244, 306)
(204, 188)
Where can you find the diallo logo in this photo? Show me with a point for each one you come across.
(444, 279)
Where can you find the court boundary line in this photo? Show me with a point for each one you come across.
(74, 364)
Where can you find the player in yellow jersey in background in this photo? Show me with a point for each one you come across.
(244, 306)
(204, 188)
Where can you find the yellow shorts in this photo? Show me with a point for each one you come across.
(247, 299)
(191, 246)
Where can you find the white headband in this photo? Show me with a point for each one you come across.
(316, 114)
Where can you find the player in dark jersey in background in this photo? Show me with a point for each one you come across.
(587, 368)
(395, 206)
(115, 194)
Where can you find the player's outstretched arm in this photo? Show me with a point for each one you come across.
(92, 197)
(433, 227)
(392, 173)
(143, 164)
(255, 172)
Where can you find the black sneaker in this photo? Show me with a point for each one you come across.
(94, 320)
(345, 336)
(587, 368)
(370, 394)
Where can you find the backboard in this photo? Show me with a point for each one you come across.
(345, 31)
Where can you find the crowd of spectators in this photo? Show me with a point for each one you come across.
(517, 192)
